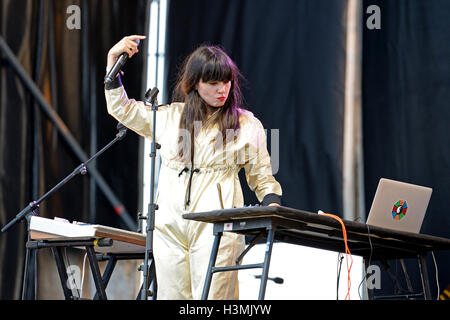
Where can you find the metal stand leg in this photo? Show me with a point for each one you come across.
(407, 279)
(397, 287)
(265, 272)
(28, 277)
(212, 262)
(424, 276)
(29, 286)
(152, 285)
(62, 272)
(96, 273)
(112, 261)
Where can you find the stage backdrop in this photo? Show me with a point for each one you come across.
(406, 92)
(65, 55)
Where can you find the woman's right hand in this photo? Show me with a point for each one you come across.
(127, 45)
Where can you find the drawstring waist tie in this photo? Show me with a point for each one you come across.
(187, 197)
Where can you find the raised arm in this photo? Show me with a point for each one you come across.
(133, 114)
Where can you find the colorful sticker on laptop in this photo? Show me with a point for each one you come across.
(399, 210)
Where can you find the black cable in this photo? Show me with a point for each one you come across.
(437, 274)
(340, 259)
(370, 261)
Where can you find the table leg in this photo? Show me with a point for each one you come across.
(424, 276)
(62, 272)
(212, 262)
(265, 271)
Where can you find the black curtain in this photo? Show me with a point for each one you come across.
(292, 53)
(68, 65)
(406, 89)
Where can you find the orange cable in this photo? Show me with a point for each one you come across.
(347, 251)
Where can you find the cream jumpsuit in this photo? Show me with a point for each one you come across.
(182, 247)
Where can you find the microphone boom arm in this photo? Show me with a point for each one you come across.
(81, 169)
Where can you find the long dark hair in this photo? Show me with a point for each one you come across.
(207, 63)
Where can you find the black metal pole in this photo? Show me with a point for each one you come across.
(152, 207)
(266, 264)
(65, 133)
(424, 275)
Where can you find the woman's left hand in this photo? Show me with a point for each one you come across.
(274, 204)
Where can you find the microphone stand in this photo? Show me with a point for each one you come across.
(150, 98)
(33, 206)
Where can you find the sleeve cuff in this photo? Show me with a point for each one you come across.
(116, 83)
(271, 198)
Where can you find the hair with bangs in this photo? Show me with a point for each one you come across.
(207, 63)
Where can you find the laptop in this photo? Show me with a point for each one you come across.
(398, 205)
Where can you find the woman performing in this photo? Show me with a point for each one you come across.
(206, 138)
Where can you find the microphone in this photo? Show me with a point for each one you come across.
(150, 95)
(112, 74)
